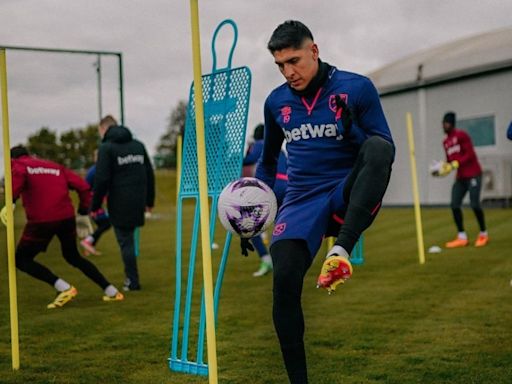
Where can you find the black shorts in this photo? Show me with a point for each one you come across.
(39, 235)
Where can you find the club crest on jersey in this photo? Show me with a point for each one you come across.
(286, 113)
(279, 229)
(332, 102)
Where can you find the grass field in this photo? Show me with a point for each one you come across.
(448, 321)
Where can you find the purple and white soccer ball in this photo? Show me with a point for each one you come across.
(247, 207)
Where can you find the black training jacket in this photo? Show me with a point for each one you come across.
(124, 174)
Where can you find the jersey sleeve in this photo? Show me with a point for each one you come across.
(467, 150)
(19, 174)
(76, 183)
(102, 177)
(150, 180)
(370, 115)
(273, 139)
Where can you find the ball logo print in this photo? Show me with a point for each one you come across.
(247, 207)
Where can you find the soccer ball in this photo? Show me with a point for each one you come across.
(247, 207)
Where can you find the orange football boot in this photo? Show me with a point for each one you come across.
(482, 240)
(457, 243)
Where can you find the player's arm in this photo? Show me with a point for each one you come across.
(82, 188)
(18, 182)
(102, 178)
(273, 139)
(253, 154)
(466, 148)
(369, 113)
(19, 178)
(150, 180)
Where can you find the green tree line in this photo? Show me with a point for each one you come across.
(75, 147)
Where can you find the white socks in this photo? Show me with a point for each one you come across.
(267, 259)
(61, 285)
(337, 250)
(111, 290)
(462, 235)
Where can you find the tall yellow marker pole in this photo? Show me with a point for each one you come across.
(203, 196)
(13, 302)
(416, 195)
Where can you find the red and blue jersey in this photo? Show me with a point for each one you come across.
(318, 153)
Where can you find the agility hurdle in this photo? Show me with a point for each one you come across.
(225, 94)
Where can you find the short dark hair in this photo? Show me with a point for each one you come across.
(18, 151)
(450, 118)
(290, 34)
(258, 132)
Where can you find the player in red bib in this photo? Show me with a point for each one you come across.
(461, 156)
(44, 188)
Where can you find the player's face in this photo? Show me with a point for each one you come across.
(447, 127)
(298, 66)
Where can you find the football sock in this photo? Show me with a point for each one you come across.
(61, 285)
(457, 217)
(479, 213)
(267, 259)
(462, 235)
(110, 290)
(337, 250)
(295, 362)
(291, 261)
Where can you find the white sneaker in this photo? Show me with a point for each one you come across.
(263, 270)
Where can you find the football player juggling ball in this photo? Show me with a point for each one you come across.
(461, 157)
(340, 152)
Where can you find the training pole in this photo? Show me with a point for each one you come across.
(415, 193)
(203, 196)
(13, 301)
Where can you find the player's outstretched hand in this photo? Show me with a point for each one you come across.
(442, 168)
(83, 226)
(246, 246)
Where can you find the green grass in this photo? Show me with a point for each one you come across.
(448, 321)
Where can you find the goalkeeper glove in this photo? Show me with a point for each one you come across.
(83, 226)
(3, 213)
(246, 246)
(443, 168)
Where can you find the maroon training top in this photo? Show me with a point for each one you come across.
(44, 188)
(458, 146)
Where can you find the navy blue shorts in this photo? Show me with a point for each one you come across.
(309, 215)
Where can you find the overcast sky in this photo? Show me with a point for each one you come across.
(60, 91)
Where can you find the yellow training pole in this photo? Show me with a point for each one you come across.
(13, 301)
(203, 196)
(179, 146)
(416, 196)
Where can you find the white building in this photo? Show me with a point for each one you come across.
(472, 77)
